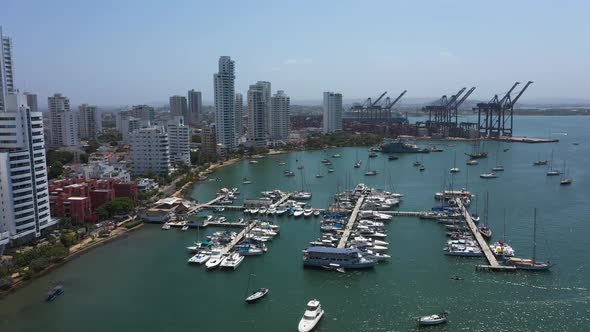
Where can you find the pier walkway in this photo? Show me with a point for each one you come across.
(399, 213)
(351, 222)
(211, 202)
(285, 197)
(238, 238)
(492, 261)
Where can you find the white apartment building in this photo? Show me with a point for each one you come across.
(225, 110)
(6, 70)
(90, 121)
(64, 124)
(257, 121)
(24, 198)
(332, 118)
(179, 141)
(280, 124)
(150, 151)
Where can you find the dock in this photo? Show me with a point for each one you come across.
(485, 248)
(285, 197)
(351, 221)
(211, 202)
(227, 248)
(399, 213)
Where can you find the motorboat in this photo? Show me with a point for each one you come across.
(262, 210)
(184, 228)
(316, 213)
(370, 173)
(307, 212)
(502, 249)
(553, 172)
(540, 162)
(331, 170)
(392, 157)
(289, 174)
(199, 258)
(166, 226)
(302, 196)
(435, 319)
(251, 250)
(490, 175)
(311, 317)
(54, 293)
(376, 256)
(271, 210)
(422, 168)
(253, 161)
(472, 162)
(298, 212)
(257, 295)
(319, 175)
(458, 249)
(357, 164)
(246, 181)
(498, 168)
(232, 261)
(417, 163)
(485, 231)
(254, 210)
(214, 260)
(565, 181)
(280, 211)
(337, 155)
(455, 170)
(373, 155)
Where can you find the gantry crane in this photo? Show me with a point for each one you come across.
(495, 118)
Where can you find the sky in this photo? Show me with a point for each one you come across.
(124, 52)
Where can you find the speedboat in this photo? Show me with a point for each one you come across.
(455, 170)
(232, 261)
(319, 175)
(199, 258)
(311, 317)
(257, 295)
(214, 260)
(436, 319)
(490, 175)
(472, 162)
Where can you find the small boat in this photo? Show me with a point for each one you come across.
(373, 155)
(214, 260)
(422, 168)
(472, 162)
(262, 210)
(553, 172)
(357, 164)
(199, 258)
(300, 167)
(490, 175)
(436, 319)
(289, 174)
(54, 293)
(254, 210)
(316, 213)
(307, 213)
(246, 181)
(392, 157)
(184, 228)
(298, 212)
(253, 161)
(540, 162)
(485, 231)
(330, 170)
(498, 168)
(311, 317)
(220, 209)
(565, 181)
(337, 155)
(455, 170)
(166, 227)
(319, 175)
(257, 295)
(282, 163)
(417, 163)
(370, 173)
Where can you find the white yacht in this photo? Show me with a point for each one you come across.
(311, 317)
(232, 261)
(298, 212)
(307, 212)
(199, 258)
(214, 260)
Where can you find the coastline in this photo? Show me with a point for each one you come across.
(72, 255)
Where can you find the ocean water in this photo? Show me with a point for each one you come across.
(143, 283)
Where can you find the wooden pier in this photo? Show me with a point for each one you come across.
(399, 213)
(285, 197)
(238, 238)
(351, 221)
(211, 202)
(485, 248)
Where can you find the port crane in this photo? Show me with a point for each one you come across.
(378, 110)
(495, 118)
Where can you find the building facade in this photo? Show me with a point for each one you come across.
(266, 95)
(179, 141)
(150, 151)
(23, 174)
(64, 123)
(257, 121)
(208, 142)
(6, 70)
(225, 110)
(90, 121)
(195, 107)
(143, 112)
(280, 125)
(178, 107)
(32, 101)
(239, 115)
(332, 106)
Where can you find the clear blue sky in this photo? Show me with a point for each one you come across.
(127, 52)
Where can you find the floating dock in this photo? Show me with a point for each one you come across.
(228, 247)
(492, 261)
(351, 221)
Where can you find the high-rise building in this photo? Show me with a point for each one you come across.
(6, 70)
(64, 124)
(179, 141)
(257, 120)
(150, 151)
(266, 95)
(332, 106)
(195, 107)
(208, 142)
(32, 101)
(178, 106)
(24, 209)
(279, 116)
(239, 115)
(90, 121)
(143, 112)
(225, 111)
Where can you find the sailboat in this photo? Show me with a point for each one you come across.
(498, 167)
(319, 174)
(565, 180)
(455, 169)
(358, 162)
(531, 264)
(484, 230)
(257, 294)
(540, 162)
(551, 171)
(368, 171)
(476, 153)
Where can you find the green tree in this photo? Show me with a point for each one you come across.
(68, 239)
(56, 169)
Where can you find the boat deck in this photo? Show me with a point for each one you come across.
(492, 261)
(351, 221)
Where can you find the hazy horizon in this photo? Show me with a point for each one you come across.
(140, 52)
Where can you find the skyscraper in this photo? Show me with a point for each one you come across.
(225, 111)
(257, 121)
(24, 209)
(266, 95)
(6, 70)
(279, 116)
(178, 106)
(239, 115)
(64, 124)
(332, 112)
(195, 107)
(143, 112)
(179, 141)
(32, 101)
(90, 121)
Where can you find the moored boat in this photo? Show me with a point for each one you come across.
(257, 295)
(311, 317)
(436, 319)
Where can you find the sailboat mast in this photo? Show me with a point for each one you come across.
(534, 236)
(504, 231)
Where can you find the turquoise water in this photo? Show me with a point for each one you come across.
(142, 282)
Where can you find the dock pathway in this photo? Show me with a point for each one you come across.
(238, 238)
(351, 222)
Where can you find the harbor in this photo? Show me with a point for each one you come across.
(418, 278)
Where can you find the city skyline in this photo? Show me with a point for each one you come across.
(430, 50)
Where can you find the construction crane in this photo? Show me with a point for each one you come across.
(495, 118)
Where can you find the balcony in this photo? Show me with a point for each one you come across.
(4, 238)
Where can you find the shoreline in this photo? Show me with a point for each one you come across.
(72, 255)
